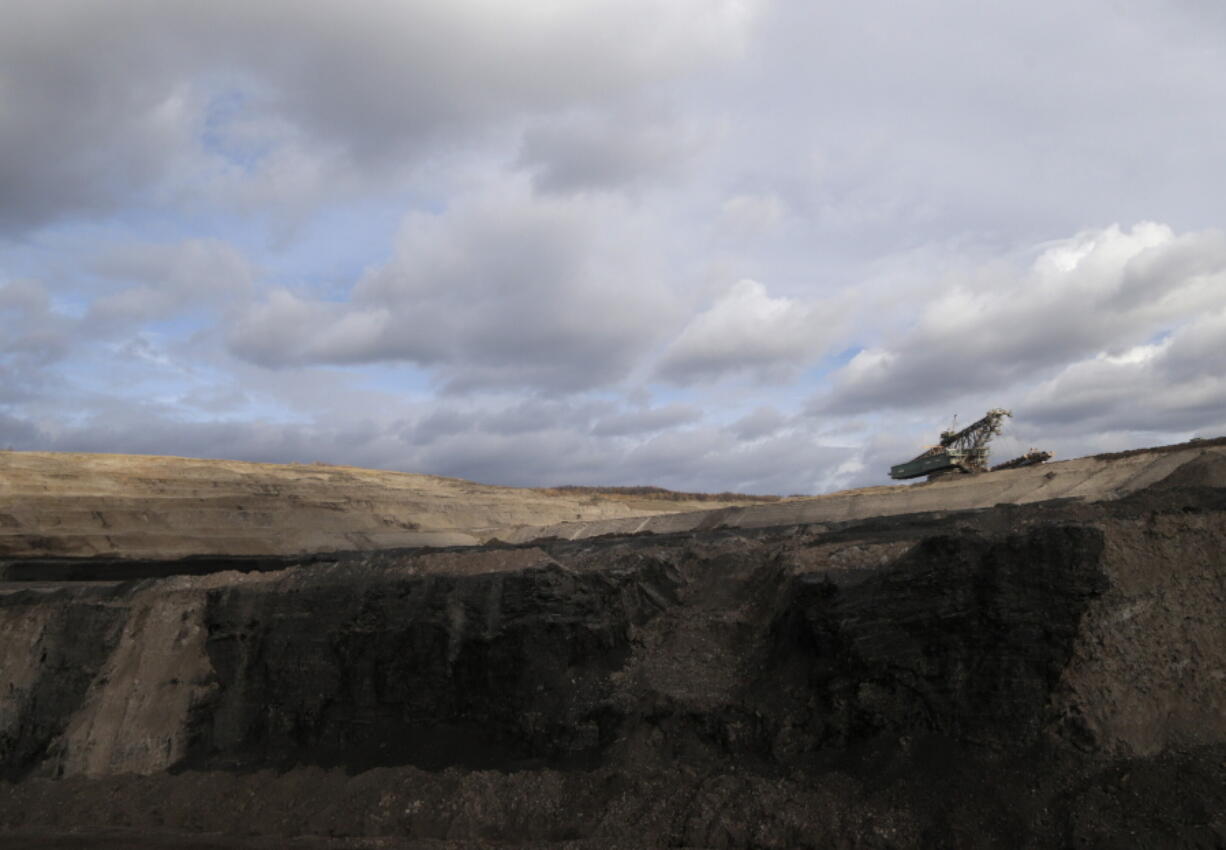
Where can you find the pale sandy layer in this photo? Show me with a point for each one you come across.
(1089, 479)
(152, 507)
(147, 506)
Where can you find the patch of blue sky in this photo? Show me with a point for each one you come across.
(114, 376)
(227, 105)
(665, 394)
(22, 261)
(406, 380)
(41, 255)
(245, 410)
(146, 375)
(182, 326)
(82, 240)
(332, 249)
(830, 364)
(329, 254)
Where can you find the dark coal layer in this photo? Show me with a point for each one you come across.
(959, 680)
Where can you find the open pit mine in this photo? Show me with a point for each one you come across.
(214, 654)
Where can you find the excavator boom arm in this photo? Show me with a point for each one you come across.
(977, 434)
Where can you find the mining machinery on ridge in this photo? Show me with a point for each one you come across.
(965, 451)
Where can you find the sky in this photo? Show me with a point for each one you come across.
(768, 246)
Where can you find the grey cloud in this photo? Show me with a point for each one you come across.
(684, 457)
(538, 414)
(159, 280)
(387, 75)
(606, 150)
(146, 430)
(534, 416)
(711, 459)
(105, 102)
(203, 266)
(286, 330)
(34, 333)
(135, 427)
(437, 425)
(1074, 405)
(80, 132)
(544, 458)
(18, 434)
(215, 400)
(1172, 387)
(646, 420)
(511, 292)
(1195, 351)
(35, 338)
(762, 422)
(460, 441)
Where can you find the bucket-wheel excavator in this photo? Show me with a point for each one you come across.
(965, 451)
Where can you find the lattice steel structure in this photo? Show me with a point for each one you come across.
(960, 451)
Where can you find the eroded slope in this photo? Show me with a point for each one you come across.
(1023, 676)
(134, 506)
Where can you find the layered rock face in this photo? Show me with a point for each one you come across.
(124, 506)
(1043, 675)
(135, 506)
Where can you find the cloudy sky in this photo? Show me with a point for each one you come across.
(763, 245)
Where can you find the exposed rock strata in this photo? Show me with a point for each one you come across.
(1024, 676)
(1089, 479)
(133, 506)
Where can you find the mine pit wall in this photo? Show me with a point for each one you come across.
(962, 637)
(133, 717)
(496, 669)
(1107, 638)
(493, 660)
(1148, 669)
(1024, 677)
(52, 648)
(1103, 636)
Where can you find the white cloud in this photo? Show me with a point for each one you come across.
(747, 332)
(751, 214)
(1106, 289)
